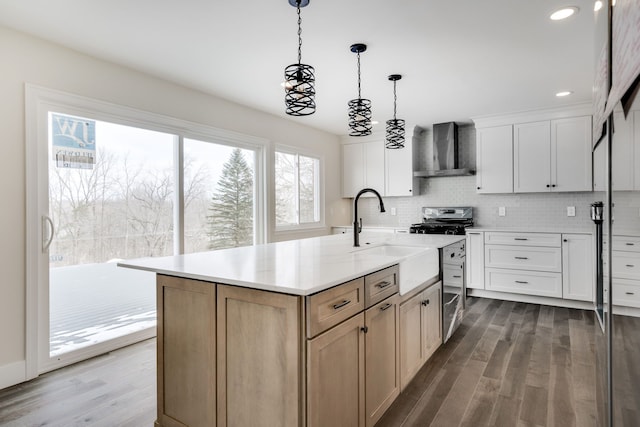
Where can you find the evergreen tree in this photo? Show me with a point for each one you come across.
(231, 211)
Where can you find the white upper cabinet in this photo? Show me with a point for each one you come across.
(571, 154)
(532, 157)
(535, 151)
(625, 155)
(398, 170)
(552, 155)
(367, 163)
(494, 159)
(362, 167)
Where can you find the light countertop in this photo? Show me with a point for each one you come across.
(299, 267)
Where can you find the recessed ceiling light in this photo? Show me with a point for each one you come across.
(597, 5)
(565, 93)
(563, 13)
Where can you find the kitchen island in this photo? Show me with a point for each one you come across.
(275, 334)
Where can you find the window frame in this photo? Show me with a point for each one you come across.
(320, 224)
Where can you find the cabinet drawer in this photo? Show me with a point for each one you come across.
(380, 285)
(626, 292)
(625, 265)
(452, 274)
(328, 308)
(525, 258)
(522, 239)
(626, 243)
(524, 282)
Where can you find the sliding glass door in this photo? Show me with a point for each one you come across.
(107, 184)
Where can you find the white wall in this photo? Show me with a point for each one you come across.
(30, 60)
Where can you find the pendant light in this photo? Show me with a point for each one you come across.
(299, 85)
(395, 127)
(359, 109)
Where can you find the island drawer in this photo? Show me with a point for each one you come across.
(328, 308)
(380, 285)
(522, 239)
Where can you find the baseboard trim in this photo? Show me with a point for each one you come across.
(12, 374)
(533, 299)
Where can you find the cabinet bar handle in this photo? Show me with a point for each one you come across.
(384, 307)
(522, 282)
(342, 304)
(426, 302)
(629, 293)
(473, 232)
(383, 285)
(629, 244)
(457, 277)
(521, 257)
(630, 265)
(364, 329)
(519, 238)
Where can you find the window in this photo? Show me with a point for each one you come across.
(297, 190)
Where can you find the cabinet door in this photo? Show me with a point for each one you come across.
(258, 387)
(475, 260)
(353, 168)
(374, 166)
(571, 154)
(382, 364)
(578, 277)
(622, 175)
(532, 157)
(412, 350)
(494, 160)
(186, 352)
(399, 169)
(432, 318)
(335, 376)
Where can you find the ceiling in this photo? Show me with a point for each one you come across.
(458, 58)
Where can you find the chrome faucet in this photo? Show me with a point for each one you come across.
(357, 227)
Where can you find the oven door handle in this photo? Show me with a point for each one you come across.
(452, 300)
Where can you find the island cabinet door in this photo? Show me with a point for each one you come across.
(412, 350)
(382, 357)
(186, 352)
(335, 376)
(259, 363)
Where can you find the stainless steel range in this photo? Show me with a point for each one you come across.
(454, 220)
(444, 221)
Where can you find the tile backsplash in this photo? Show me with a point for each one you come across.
(525, 211)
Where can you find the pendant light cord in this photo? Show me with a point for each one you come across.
(395, 99)
(299, 34)
(359, 97)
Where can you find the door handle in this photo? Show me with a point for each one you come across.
(46, 242)
(386, 306)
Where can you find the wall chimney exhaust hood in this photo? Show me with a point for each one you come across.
(445, 153)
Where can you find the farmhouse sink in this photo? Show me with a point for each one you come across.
(416, 264)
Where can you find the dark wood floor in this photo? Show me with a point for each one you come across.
(114, 390)
(509, 364)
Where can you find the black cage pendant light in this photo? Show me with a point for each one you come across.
(395, 127)
(299, 85)
(359, 109)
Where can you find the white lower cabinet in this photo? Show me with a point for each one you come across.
(540, 264)
(475, 260)
(578, 267)
(625, 268)
(420, 331)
